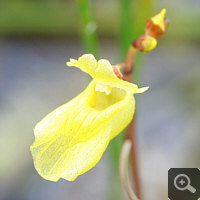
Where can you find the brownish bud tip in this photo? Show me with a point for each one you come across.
(153, 30)
(156, 25)
(138, 43)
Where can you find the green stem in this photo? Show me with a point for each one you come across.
(89, 27)
(126, 32)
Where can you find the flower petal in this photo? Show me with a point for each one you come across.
(71, 140)
(102, 71)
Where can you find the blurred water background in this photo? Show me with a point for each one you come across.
(38, 37)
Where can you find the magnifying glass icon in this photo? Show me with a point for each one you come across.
(182, 182)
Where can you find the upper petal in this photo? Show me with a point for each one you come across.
(102, 71)
(71, 140)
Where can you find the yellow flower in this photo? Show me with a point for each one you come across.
(71, 139)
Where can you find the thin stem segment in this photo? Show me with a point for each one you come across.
(128, 68)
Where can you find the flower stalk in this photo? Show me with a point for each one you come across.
(144, 43)
(128, 68)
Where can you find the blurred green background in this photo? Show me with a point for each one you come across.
(38, 37)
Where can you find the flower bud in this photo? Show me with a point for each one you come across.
(157, 25)
(145, 43)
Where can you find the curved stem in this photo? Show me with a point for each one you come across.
(123, 169)
(131, 135)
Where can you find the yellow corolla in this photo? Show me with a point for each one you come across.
(71, 139)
